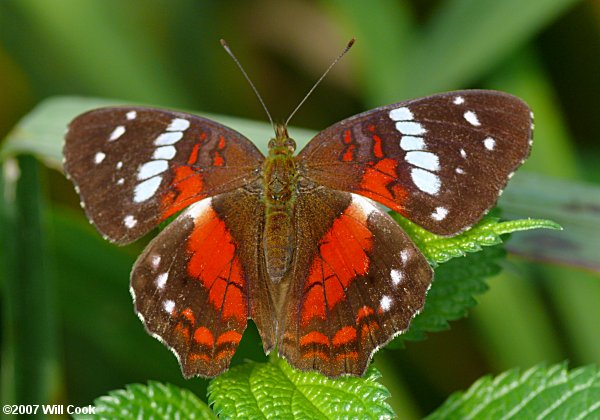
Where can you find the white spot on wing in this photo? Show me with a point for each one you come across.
(401, 114)
(459, 100)
(198, 208)
(463, 153)
(425, 181)
(440, 213)
(396, 276)
(460, 171)
(161, 280)
(168, 306)
(99, 157)
(166, 139)
(412, 143)
(385, 303)
(119, 165)
(178, 124)
(404, 256)
(155, 261)
(120, 181)
(154, 167)
(489, 143)
(364, 204)
(471, 118)
(130, 221)
(131, 115)
(117, 132)
(425, 160)
(164, 152)
(410, 127)
(145, 190)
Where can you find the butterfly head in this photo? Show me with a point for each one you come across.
(282, 144)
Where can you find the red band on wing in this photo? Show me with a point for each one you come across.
(341, 257)
(344, 336)
(348, 155)
(183, 330)
(224, 354)
(217, 157)
(204, 337)
(189, 315)
(366, 322)
(199, 357)
(379, 182)
(314, 301)
(377, 149)
(229, 337)
(215, 264)
(343, 345)
(363, 312)
(187, 186)
(314, 337)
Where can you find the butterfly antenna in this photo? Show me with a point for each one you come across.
(348, 46)
(226, 47)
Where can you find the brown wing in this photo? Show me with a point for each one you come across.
(134, 167)
(356, 282)
(200, 279)
(441, 161)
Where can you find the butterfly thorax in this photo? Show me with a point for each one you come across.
(279, 180)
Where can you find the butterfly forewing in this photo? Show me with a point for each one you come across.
(134, 167)
(441, 161)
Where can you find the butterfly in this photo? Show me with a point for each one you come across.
(294, 242)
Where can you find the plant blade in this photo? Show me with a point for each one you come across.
(539, 392)
(277, 390)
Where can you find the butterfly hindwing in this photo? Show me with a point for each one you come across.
(199, 280)
(134, 167)
(441, 161)
(356, 282)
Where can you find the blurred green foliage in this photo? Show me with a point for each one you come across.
(68, 329)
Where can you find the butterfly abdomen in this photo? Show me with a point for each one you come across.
(280, 183)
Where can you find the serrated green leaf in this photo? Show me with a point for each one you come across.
(277, 390)
(457, 282)
(452, 294)
(155, 400)
(487, 232)
(539, 392)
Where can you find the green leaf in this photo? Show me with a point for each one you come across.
(155, 400)
(539, 392)
(487, 232)
(457, 282)
(277, 390)
(575, 208)
(452, 294)
(30, 365)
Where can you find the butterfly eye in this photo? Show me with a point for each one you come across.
(271, 143)
(290, 144)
